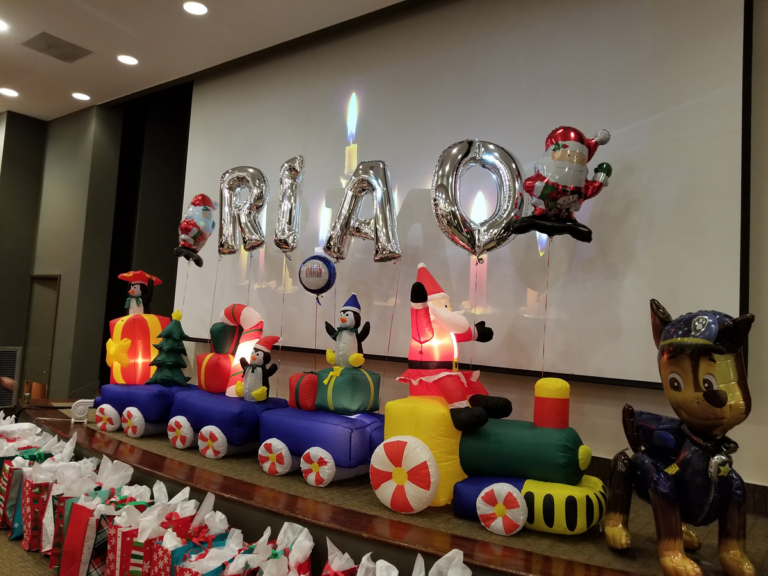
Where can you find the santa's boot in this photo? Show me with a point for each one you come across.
(494, 406)
(468, 418)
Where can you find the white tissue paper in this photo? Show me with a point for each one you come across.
(113, 474)
(336, 560)
(261, 553)
(379, 568)
(452, 564)
(215, 557)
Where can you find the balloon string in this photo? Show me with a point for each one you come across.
(282, 315)
(391, 324)
(248, 279)
(546, 305)
(215, 286)
(474, 314)
(316, 305)
(186, 285)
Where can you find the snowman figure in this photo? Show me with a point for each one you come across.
(256, 373)
(349, 336)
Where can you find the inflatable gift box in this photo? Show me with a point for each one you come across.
(130, 347)
(347, 390)
(302, 391)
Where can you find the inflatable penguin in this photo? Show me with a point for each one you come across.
(140, 292)
(256, 373)
(349, 336)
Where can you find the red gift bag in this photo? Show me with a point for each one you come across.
(34, 500)
(119, 548)
(58, 529)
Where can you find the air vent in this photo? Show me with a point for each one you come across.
(10, 367)
(56, 47)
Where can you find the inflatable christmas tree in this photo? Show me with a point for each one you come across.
(169, 360)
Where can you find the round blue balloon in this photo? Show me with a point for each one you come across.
(317, 274)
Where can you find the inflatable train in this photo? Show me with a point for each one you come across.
(414, 455)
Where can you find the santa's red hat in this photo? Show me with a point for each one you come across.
(265, 343)
(434, 290)
(202, 200)
(569, 137)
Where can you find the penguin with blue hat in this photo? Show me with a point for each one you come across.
(349, 336)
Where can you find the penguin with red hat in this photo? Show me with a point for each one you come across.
(433, 362)
(256, 373)
(560, 185)
(140, 292)
(194, 229)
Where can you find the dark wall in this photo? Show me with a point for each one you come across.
(21, 175)
(150, 191)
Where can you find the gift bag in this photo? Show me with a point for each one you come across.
(10, 483)
(34, 498)
(212, 560)
(119, 548)
(59, 501)
(347, 390)
(173, 551)
(338, 564)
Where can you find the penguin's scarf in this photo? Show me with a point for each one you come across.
(341, 329)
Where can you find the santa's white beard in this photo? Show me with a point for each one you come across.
(451, 321)
(562, 172)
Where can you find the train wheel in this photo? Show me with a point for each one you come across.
(275, 458)
(502, 509)
(133, 422)
(404, 474)
(107, 418)
(318, 467)
(180, 432)
(212, 442)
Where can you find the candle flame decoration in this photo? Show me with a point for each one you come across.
(541, 242)
(325, 223)
(479, 211)
(352, 118)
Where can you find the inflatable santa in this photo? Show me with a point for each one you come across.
(433, 362)
(560, 185)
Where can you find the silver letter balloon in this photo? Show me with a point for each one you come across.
(369, 178)
(477, 238)
(288, 211)
(242, 213)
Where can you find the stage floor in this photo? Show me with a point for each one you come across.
(432, 531)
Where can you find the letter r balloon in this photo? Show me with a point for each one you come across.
(242, 213)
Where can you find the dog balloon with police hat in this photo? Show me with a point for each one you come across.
(683, 465)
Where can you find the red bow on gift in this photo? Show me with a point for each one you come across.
(328, 571)
(170, 518)
(201, 537)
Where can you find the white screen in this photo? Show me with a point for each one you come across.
(665, 78)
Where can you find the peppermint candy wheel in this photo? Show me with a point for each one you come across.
(180, 432)
(502, 509)
(404, 474)
(212, 442)
(133, 422)
(318, 467)
(275, 458)
(107, 419)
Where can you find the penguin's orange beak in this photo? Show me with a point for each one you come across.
(342, 320)
(253, 358)
(130, 291)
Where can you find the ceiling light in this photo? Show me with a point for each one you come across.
(4, 26)
(8, 92)
(80, 96)
(195, 8)
(125, 59)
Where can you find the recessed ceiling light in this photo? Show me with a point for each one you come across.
(195, 8)
(80, 96)
(125, 59)
(4, 26)
(8, 92)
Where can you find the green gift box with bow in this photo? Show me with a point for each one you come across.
(347, 390)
